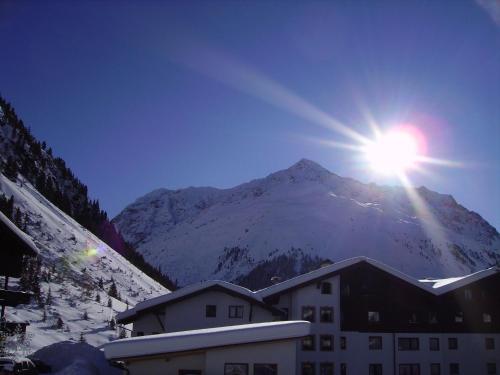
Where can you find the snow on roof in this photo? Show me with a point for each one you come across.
(441, 286)
(205, 338)
(28, 246)
(438, 288)
(186, 291)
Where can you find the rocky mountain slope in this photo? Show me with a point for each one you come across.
(302, 215)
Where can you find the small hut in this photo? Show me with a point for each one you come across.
(14, 245)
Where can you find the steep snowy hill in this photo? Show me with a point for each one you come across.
(78, 269)
(304, 212)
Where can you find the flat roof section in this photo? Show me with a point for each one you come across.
(183, 341)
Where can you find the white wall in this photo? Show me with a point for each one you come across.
(189, 314)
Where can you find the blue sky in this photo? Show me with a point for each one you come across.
(141, 95)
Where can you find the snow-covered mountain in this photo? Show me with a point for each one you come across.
(81, 267)
(304, 212)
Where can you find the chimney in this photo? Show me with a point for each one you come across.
(275, 280)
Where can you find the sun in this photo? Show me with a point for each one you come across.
(393, 153)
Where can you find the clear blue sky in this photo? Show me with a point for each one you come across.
(131, 95)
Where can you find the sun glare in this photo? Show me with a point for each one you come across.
(393, 153)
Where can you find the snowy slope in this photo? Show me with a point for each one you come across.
(202, 233)
(76, 260)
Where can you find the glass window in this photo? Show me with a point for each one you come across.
(435, 369)
(343, 343)
(459, 317)
(308, 368)
(326, 314)
(308, 343)
(373, 316)
(433, 343)
(486, 318)
(326, 342)
(409, 369)
(413, 318)
(375, 342)
(489, 343)
(375, 369)
(454, 369)
(408, 343)
(343, 369)
(235, 369)
(326, 287)
(236, 311)
(433, 318)
(265, 369)
(326, 368)
(491, 368)
(309, 313)
(452, 343)
(468, 294)
(210, 311)
(140, 333)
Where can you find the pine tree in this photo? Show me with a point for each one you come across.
(98, 298)
(122, 334)
(101, 283)
(113, 292)
(44, 316)
(85, 315)
(48, 300)
(59, 323)
(112, 324)
(82, 338)
(18, 218)
(110, 303)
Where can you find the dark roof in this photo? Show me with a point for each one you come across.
(14, 239)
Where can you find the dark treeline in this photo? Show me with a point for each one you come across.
(24, 154)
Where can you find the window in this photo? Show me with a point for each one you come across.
(308, 368)
(308, 343)
(285, 310)
(408, 343)
(491, 368)
(375, 369)
(373, 316)
(434, 343)
(309, 313)
(326, 343)
(468, 294)
(139, 333)
(189, 372)
(433, 318)
(454, 369)
(210, 311)
(375, 342)
(459, 317)
(409, 369)
(452, 343)
(343, 369)
(343, 343)
(265, 369)
(235, 369)
(435, 369)
(326, 314)
(489, 343)
(236, 311)
(486, 318)
(326, 287)
(326, 368)
(346, 290)
(413, 318)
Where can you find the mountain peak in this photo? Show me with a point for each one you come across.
(308, 165)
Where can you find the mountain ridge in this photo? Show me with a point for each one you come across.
(303, 207)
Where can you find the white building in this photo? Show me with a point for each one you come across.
(366, 318)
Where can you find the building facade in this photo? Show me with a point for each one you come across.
(367, 318)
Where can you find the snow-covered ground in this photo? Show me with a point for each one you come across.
(76, 261)
(229, 232)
